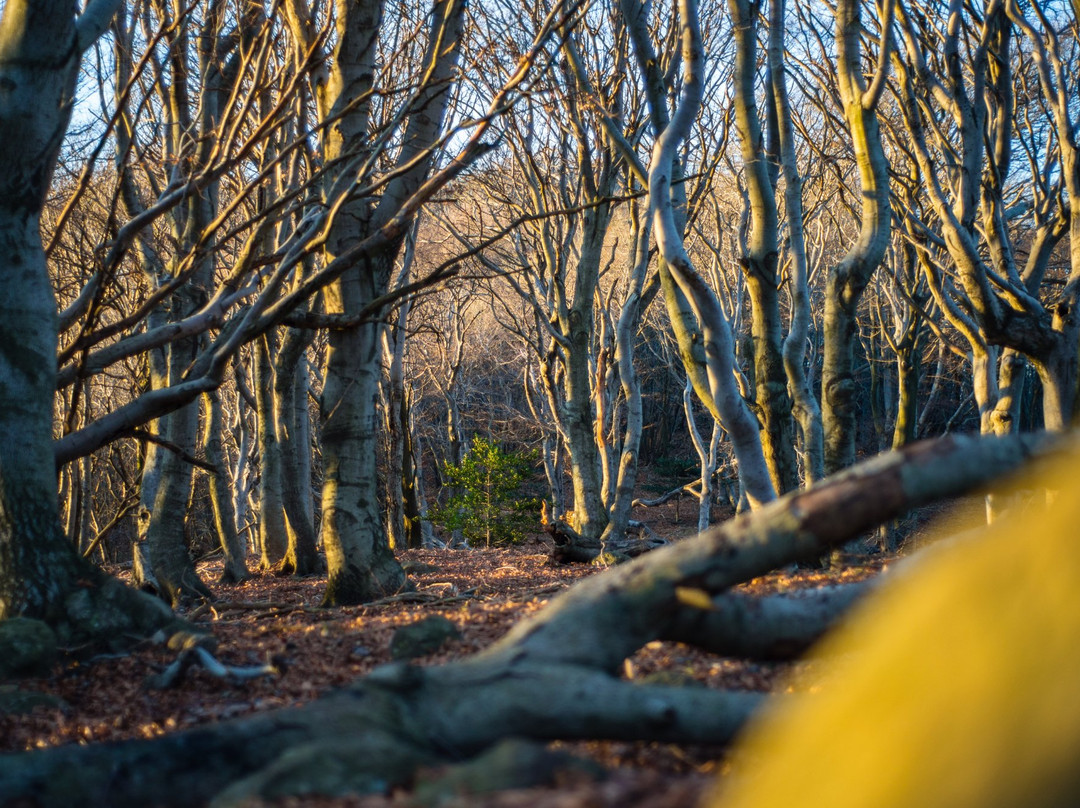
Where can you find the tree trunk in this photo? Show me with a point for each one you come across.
(294, 446)
(908, 359)
(688, 296)
(41, 575)
(625, 333)
(170, 560)
(399, 462)
(772, 402)
(847, 279)
(578, 328)
(411, 486)
(805, 406)
(235, 569)
(273, 535)
(361, 565)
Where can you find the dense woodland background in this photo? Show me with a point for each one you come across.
(328, 280)
(198, 182)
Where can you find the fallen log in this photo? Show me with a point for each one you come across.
(552, 676)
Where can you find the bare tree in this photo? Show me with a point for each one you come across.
(688, 294)
(847, 279)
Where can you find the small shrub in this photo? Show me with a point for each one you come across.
(489, 506)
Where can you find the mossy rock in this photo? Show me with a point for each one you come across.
(610, 558)
(114, 616)
(23, 702)
(420, 568)
(423, 637)
(511, 763)
(27, 647)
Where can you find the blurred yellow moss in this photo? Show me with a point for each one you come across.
(958, 684)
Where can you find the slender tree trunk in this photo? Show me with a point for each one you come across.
(1059, 370)
(294, 446)
(273, 535)
(401, 516)
(166, 537)
(235, 568)
(908, 360)
(706, 459)
(173, 566)
(590, 515)
(847, 279)
(411, 487)
(773, 404)
(625, 334)
(805, 406)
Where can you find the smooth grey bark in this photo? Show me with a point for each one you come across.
(449, 381)
(361, 565)
(221, 495)
(291, 386)
(846, 280)
(1059, 368)
(707, 459)
(805, 406)
(766, 627)
(403, 519)
(590, 515)
(1003, 305)
(760, 259)
(723, 391)
(189, 142)
(799, 526)
(625, 334)
(172, 564)
(273, 535)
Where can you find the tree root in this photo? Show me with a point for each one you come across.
(198, 656)
(552, 677)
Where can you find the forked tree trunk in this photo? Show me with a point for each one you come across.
(688, 296)
(361, 565)
(846, 280)
(759, 263)
(590, 515)
(805, 407)
(625, 333)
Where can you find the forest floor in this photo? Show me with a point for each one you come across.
(483, 591)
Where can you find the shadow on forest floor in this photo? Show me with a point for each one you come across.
(482, 591)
